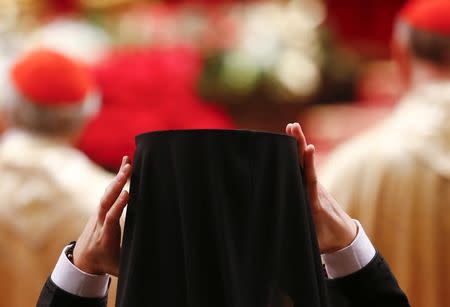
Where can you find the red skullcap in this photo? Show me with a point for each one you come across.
(428, 15)
(47, 78)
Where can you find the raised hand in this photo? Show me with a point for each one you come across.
(335, 229)
(98, 248)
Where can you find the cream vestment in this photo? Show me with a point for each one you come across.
(48, 190)
(395, 179)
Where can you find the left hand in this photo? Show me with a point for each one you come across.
(335, 229)
(98, 248)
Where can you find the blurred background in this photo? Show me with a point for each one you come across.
(258, 65)
(253, 64)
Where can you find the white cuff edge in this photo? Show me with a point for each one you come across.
(71, 279)
(351, 258)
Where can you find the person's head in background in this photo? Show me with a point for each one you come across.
(421, 42)
(48, 94)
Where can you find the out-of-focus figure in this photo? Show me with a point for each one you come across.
(397, 176)
(48, 189)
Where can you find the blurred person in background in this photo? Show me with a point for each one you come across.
(48, 189)
(397, 176)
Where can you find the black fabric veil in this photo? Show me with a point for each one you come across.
(218, 218)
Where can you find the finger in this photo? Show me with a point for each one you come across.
(311, 175)
(125, 160)
(116, 186)
(113, 216)
(298, 134)
(289, 129)
(113, 190)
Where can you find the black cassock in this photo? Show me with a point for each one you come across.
(221, 219)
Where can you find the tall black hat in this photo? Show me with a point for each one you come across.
(218, 218)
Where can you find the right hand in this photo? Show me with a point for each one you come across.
(335, 229)
(98, 248)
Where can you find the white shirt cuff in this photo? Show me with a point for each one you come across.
(71, 279)
(351, 258)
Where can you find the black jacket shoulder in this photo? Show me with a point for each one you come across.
(372, 286)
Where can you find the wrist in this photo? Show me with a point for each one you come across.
(349, 233)
(341, 236)
(84, 263)
(352, 258)
(71, 279)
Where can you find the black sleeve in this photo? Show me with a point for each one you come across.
(372, 286)
(52, 296)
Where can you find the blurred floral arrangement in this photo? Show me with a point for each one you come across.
(160, 64)
(276, 56)
(254, 50)
(146, 89)
(264, 51)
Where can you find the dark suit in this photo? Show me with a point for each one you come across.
(373, 286)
